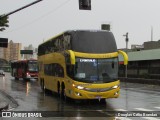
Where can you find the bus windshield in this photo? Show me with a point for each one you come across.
(32, 66)
(96, 70)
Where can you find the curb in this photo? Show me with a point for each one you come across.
(3, 106)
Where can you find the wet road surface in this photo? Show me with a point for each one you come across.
(27, 96)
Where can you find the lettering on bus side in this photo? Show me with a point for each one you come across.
(87, 60)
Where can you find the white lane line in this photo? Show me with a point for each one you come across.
(120, 110)
(157, 107)
(122, 118)
(143, 109)
(151, 118)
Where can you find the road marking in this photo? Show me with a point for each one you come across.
(122, 118)
(143, 109)
(157, 107)
(150, 118)
(120, 110)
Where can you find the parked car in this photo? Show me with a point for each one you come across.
(2, 73)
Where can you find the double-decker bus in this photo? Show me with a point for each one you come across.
(26, 69)
(80, 64)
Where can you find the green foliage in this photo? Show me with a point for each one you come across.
(3, 22)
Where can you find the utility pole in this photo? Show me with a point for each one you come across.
(151, 33)
(126, 39)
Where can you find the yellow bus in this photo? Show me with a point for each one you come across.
(80, 64)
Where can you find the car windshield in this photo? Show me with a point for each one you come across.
(96, 70)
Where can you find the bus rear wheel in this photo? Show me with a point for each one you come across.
(42, 85)
(58, 89)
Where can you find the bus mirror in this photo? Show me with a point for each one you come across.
(125, 56)
(72, 57)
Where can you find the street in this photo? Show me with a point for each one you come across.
(27, 96)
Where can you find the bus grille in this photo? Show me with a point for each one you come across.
(98, 89)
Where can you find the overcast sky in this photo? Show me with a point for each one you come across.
(50, 17)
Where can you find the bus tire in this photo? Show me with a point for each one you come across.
(63, 96)
(42, 85)
(58, 88)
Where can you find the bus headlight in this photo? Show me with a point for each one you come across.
(78, 87)
(78, 94)
(116, 86)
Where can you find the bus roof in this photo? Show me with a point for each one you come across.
(70, 31)
(87, 41)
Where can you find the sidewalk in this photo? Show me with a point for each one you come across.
(7, 102)
(4, 105)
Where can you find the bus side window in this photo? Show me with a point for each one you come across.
(66, 42)
(56, 70)
(60, 71)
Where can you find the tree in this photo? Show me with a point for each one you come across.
(3, 22)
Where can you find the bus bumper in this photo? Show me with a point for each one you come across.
(112, 91)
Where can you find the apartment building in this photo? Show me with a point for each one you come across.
(12, 52)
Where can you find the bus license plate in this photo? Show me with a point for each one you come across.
(98, 96)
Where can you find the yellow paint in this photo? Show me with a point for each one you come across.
(90, 55)
(125, 56)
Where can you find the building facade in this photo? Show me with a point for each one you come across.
(142, 64)
(29, 56)
(12, 52)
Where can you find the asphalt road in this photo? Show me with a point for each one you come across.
(27, 96)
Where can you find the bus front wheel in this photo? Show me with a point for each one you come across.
(63, 96)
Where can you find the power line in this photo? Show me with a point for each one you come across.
(10, 13)
(39, 18)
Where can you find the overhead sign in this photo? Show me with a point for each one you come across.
(26, 52)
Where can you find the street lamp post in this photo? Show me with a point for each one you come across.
(127, 39)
